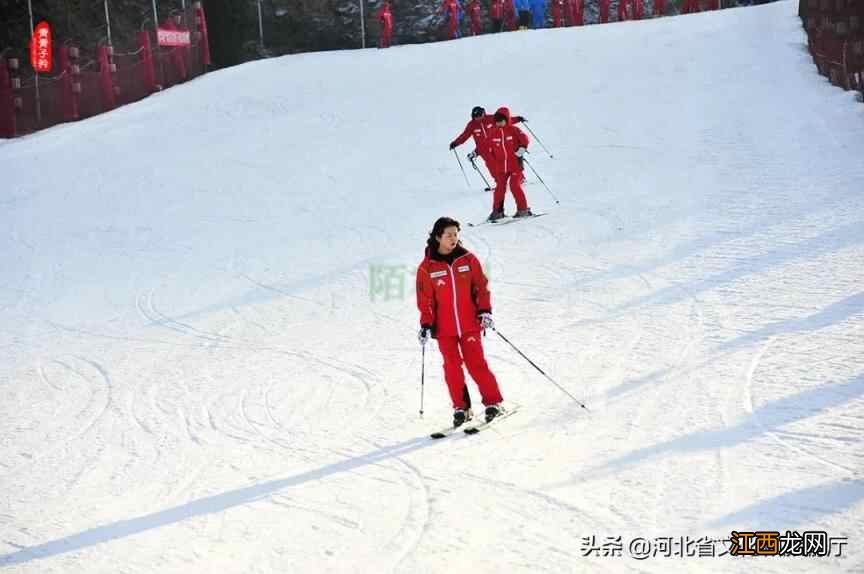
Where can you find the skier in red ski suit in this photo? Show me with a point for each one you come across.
(624, 10)
(556, 13)
(603, 9)
(385, 17)
(496, 14)
(576, 13)
(579, 12)
(474, 17)
(479, 127)
(509, 15)
(456, 308)
(508, 144)
(451, 7)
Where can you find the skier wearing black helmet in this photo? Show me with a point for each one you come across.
(480, 126)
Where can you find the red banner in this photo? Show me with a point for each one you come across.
(41, 48)
(173, 37)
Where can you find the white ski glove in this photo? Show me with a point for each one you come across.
(423, 336)
(486, 321)
(520, 152)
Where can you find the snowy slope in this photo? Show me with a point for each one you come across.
(195, 377)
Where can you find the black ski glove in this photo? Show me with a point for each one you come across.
(423, 335)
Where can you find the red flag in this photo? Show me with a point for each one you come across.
(41, 48)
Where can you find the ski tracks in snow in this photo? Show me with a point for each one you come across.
(56, 450)
(779, 438)
(78, 373)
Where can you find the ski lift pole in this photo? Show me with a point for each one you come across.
(158, 46)
(35, 73)
(260, 27)
(362, 26)
(108, 23)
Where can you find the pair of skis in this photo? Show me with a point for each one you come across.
(506, 220)
(473, 428)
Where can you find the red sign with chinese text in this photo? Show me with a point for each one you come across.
(173, 37)
(41, 48)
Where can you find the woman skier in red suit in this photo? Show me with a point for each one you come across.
(455, 308)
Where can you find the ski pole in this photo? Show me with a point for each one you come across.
(527, 127)
(422, 376)
(465, 175)
(566, 392)
(541, 179)
(474, 165)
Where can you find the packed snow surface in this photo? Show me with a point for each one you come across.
(208, 353)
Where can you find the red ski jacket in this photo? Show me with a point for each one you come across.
(451, 7)
(510, 14)
(474, 14)
(385, 16)
(479, 128)
(450, 295)
(503, 143)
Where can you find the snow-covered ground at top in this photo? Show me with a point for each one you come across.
(196, 377)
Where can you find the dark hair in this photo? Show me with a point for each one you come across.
(477, 111)
(438, 230)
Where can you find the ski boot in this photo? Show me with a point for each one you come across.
(461, 416)
(524, 213)
(493, 411)
(496, 215)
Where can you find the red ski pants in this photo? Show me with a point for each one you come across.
(468, 349)
(515, 180)
(452, 25)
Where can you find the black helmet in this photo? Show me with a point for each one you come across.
(477, 112)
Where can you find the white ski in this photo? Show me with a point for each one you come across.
(475, 428)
